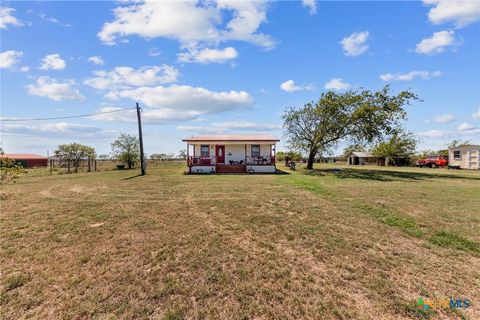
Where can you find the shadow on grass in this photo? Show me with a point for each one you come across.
(132, 177)
(383, 175)
(278, 171)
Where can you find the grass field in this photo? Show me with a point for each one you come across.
(362, 243)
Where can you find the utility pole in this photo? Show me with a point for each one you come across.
(140, 137)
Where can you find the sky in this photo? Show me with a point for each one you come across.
(204, 67)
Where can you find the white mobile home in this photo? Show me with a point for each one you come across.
(231, 153)
(464, 157)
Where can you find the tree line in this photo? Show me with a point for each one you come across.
(125, 149)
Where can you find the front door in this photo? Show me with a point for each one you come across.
(220, 154)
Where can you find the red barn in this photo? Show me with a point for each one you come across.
(28, 160)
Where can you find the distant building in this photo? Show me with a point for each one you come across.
(27, 160)
(364, 158)
(464, 157)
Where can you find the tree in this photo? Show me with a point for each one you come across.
(182, 154)
(158, 156)
(358, 116)
(426, 153)
(280, 155)
(400, 143)
(73, 153)
(458, 143)
(126, 149)
(103, 157)
(9, 169)
(443, 152)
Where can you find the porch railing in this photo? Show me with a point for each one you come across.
(200, 161)
(211, 161)
(263, 160)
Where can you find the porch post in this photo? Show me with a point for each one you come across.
(188, 157)
(275, 155)
(245, 153)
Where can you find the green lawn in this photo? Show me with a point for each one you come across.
(333, 243)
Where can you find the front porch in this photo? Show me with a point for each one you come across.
(249, 165)
(230, 156)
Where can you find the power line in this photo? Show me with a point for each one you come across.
(66, 117)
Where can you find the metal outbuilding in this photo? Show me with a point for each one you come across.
(27, 160)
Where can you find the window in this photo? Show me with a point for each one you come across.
(204, 150)
(255, 150)
(457, 155)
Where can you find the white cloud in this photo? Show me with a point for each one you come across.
(53, 128)
(445, 118)
(206, 55)
(8, 59)
(466, 127)
(460, 12)
(180, 102)
(44, 17)
(7, 18)
(25, 69)
(311, 5)
(355, 44)
(186, 98)
(289, 86)
(410, 76)
(97, 60)
(153, 52)
(190, 22)
(53, 62)
(337, 84)
(126, 77)
(51, 88)
(437, 43)
(434, 134)
(476, 115)
(465, 130)
(222, 127)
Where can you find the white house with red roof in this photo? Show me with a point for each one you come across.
(231, 153)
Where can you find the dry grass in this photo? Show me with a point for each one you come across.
(325, 244)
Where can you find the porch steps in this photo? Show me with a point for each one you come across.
(231, 168)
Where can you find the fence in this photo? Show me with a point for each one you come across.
(57, 166)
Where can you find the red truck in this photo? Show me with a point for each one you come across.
(432, 162)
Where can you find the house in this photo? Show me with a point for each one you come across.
(231, 153)
(363, 158)
(27, 160)
(464, 157)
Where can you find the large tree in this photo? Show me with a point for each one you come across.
(359, 116)
(399, 143)
(74, 153)
(126, 149)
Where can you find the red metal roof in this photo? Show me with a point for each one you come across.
(233, 137)
(22, 156)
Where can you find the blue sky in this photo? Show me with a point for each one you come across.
(228, 67)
